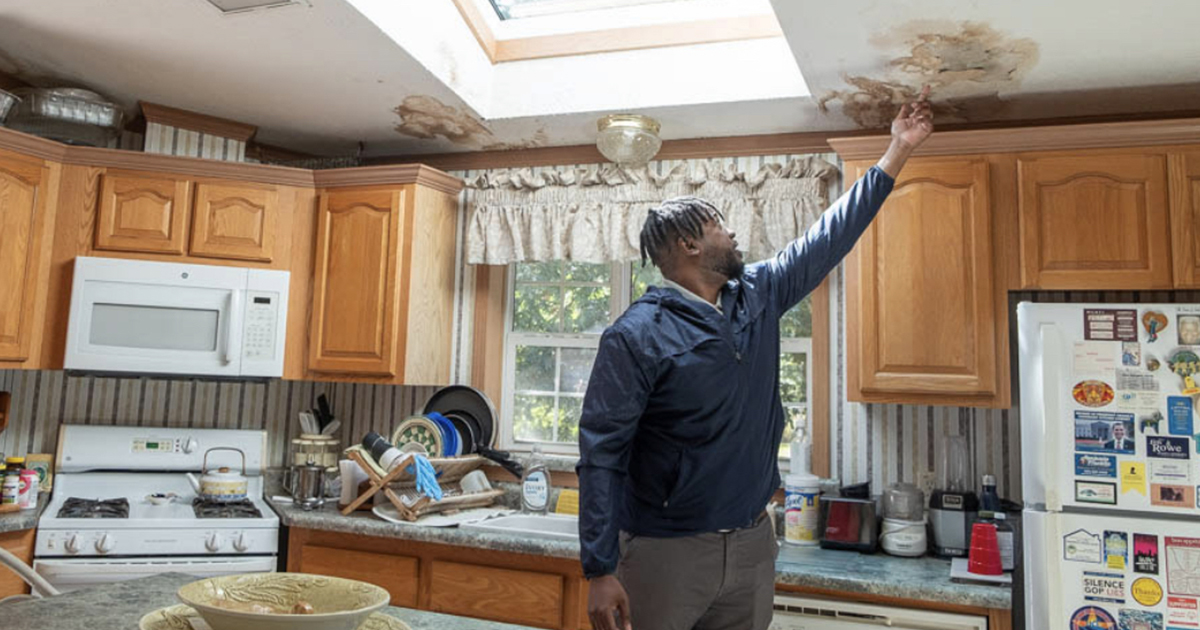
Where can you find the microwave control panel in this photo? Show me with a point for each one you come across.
(262, 317)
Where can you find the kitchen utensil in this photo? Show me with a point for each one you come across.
(904, 502)
(331, 428)
(903, 537)
(184, 616)
(221, 485)
(320, 449)
(308, 423)
(5, 402)
(266, 601)
(421, 430)
(953, 506)
(325, 416)
(7, 101)
(307, 485)
(461, 398)
(505, 460)
(467, 430)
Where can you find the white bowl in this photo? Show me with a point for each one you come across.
(265, 601)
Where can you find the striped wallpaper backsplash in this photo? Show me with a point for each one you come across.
(169, 140)
(44, 399)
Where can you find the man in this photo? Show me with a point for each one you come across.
(682, 418)
(1119, 440)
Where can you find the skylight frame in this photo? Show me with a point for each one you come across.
(525, 9)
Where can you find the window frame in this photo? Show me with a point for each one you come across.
(816, 348)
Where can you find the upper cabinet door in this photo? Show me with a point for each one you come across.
(21, 218)
(1185, 218)
(1094, 221)
(354, 324)
(919, 290)
(142, 212)
(234, 220)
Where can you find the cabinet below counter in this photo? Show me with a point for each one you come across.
(538, 582)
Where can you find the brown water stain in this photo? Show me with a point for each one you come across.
(427, 118)
(968, 65)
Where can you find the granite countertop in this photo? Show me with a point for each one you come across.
(23, 519)
(925, 579)
(120, 605)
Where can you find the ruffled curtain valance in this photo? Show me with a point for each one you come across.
(595, 214)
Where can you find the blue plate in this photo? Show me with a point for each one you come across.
(450, 437)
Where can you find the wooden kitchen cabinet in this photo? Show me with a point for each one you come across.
(19, 544)
(1184, 176)
(142, 212)
(521, 597)
(398, 574)
(23, 224)
(383, 284)
(234, 220)
(920, 294)
(1095, 220)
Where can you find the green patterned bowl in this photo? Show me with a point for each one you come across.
(275, 601)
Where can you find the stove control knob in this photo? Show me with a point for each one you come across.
(72, 544)
(240, 543)
(190, 445)
(213, 542)
(105, 544)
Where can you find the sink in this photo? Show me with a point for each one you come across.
(553, 526)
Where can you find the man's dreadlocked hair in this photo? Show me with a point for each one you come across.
(678, 217)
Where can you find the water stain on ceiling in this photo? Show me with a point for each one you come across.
(427, 118)
(969, 65)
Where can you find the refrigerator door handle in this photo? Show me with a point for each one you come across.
(1052, 355)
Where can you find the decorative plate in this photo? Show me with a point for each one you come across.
(1093, 393)
(184, 617)
(1184, 363)
(421, 430)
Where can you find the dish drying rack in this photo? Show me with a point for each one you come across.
(410, 504)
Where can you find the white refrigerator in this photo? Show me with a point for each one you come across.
(1110, 465)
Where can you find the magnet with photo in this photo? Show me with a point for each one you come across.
(1145, 553)
(1104, 432)
(1188, 327)
(1154, 322)
(1140, 620)
(1165, 495)
(1131, 353)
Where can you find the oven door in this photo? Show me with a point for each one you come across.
(139, 316)
(76, 573)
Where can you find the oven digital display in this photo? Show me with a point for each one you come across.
(151, 445)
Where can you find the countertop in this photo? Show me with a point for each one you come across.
(120, 605)
(23, 519)
(924, 579)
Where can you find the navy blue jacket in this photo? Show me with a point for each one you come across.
(682, 418)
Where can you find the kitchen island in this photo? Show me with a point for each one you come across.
(120, 605)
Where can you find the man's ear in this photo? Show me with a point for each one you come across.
(688, 247)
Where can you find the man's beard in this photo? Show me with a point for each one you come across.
(730, 265)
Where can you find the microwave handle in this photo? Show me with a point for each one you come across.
(235, 322)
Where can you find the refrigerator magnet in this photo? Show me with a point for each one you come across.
(1151, 422)
(1133, 477)
(1179, 415)
(1136, 380)
(1104, 587)
(1154, 322)
(1140, 620)
(1182, 565)
(1172, 496)
(1182, 611)
(1092, 393)
(1104, 432)
(1092, 618)
(1116, 550)
(1101, 492)
(1189, 330)
(1139, 400)
(1165, 447)
(1152, 363)
(1082, 546)
(1095, 465)
(1108, 324)
(1172, 471)
(1147, 592)
(1145, 553)
(1131, 353)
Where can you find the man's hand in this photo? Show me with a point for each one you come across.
(605, 597)
(912, 126)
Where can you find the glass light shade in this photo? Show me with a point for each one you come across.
(628, 139)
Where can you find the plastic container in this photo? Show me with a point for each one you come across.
(802, 501)
(984, 557)
(1005, 537)
(535, 485)
(10, 491)
(28, 498)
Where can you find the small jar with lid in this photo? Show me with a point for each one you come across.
(16, 464)
(10, 490)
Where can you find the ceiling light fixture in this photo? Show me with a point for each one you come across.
(241, 6)
(628, 139)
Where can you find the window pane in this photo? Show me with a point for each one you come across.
(644, 277)
(798, 321)
(794, 415)
(576, 368)
(535, 368)
(539, 272)
(570, 410)
(587, 309)
(793, 377)
(584, 272)
(533, 418)
(537, 309)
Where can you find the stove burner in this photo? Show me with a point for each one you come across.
(93, 508)
(235, 509)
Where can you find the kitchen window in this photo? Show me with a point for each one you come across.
(555, 314)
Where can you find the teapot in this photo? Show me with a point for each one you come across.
(221, 485)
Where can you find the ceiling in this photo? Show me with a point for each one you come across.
(409, 77)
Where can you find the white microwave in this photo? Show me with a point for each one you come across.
(176, 318)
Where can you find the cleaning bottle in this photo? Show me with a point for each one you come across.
(803, 489)
(535, 484)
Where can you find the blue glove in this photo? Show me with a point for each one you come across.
(426, 477)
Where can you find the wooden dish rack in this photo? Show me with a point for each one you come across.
(450, 471)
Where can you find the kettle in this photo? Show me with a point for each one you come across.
(221, 485)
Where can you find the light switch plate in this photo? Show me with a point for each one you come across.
(926, 482)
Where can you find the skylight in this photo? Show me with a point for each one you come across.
(516, 9)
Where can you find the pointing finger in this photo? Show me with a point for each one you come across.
(924, 94)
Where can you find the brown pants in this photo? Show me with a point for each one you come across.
(718, 581)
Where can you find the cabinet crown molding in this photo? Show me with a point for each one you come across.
(1044, 138)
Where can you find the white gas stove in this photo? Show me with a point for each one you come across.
(101, 525)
